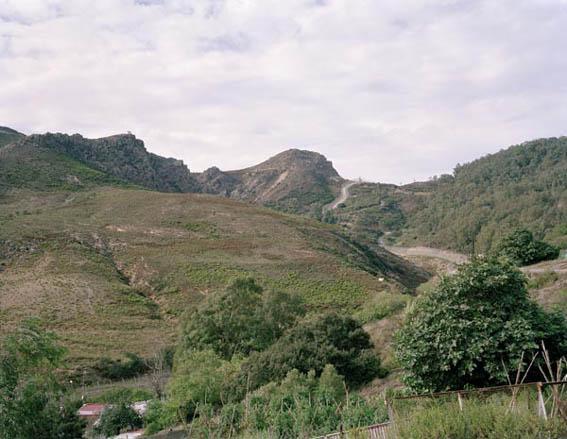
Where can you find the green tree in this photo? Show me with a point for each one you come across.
(521, 247)
(32, 400)
(118, 418)
(240, 320)
(310, 345)
(474, 325)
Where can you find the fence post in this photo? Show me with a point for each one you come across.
(541, 402)
(460, 398)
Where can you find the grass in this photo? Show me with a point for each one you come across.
(487, 419)
(542, 280)
(112, 269)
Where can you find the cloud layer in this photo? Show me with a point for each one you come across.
(390, 90)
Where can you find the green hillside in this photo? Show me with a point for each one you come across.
(8, 135)
(24, 165)
(524, 186)
(111, 270)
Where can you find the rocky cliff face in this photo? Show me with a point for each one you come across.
(294, 180)
(122, 156)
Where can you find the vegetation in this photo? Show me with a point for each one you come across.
(522, 186)
(474, 328)
(302, 405)
(123, 395)
(472, 209)
(522, 249)
(249, 360)
(241, 320)
(104, 282)
(33, 402)
(490, 419)
(310, 345)
(118, 369)
(117, 418)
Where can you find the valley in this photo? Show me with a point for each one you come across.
(128, 256)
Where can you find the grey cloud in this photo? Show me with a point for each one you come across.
(390, 90)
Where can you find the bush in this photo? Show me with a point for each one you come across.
(199, 378)
(111, 369)
(159, 416)
(521, 248)
(310, 345)
(116, 419)
(241, 320)
(473, 326)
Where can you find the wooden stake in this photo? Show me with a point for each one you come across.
(541, 402)
(460, 398)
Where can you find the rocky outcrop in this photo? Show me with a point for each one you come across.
(122, 156)
(294, 180)
(214, 181)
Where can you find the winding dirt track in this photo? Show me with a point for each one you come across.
(343, 196)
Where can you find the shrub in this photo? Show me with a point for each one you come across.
(473, 324)
(540, 281)
(521, 247)
(240, 320)
(302, 405)
(116, 419)
(111, 369)
(159, 416)
(310, 345)
(201, 377)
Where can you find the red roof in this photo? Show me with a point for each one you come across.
(91, 409)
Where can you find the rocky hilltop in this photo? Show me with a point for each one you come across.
(294, 180)
(122, 156)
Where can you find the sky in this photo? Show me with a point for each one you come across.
(389, 90)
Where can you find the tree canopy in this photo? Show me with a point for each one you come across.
(473, 327)
(310, 345)
(522, 249)
(240, 320)
(33, 403)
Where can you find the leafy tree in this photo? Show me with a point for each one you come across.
(32, 401)
(474, 325)
(240, 320)
(116, 419)
(310, 345)
(521, 247)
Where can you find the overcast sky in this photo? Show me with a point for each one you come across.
(389, 90)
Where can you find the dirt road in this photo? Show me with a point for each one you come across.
(343, 196)
(558, 265)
